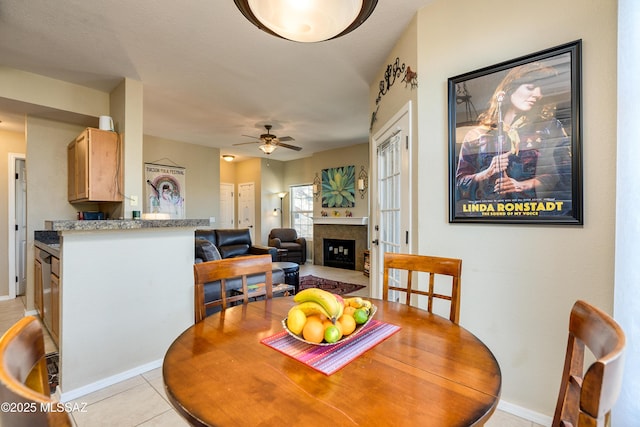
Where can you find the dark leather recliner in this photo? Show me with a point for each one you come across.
(287, 238)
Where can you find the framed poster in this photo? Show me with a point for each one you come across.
(515, 140)
(165, 190)
(339, 187)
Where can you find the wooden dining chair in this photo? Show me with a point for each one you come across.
(586, 398)
(228, 268)
(24, 380)
(428, 264)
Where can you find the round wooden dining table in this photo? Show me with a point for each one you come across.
(431, 372)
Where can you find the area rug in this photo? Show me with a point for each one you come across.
(52, 370)
(332, 286)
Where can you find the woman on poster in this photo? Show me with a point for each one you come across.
(519, 150)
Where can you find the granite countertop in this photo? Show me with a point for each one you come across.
(51, 248)
(132, 224)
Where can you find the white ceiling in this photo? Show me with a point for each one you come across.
(209, 76)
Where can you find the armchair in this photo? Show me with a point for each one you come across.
(287, 238)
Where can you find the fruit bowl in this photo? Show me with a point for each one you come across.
(341, 340)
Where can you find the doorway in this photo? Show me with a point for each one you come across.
(227, 206)
(247, 208)
(17, 201)
(391, 218)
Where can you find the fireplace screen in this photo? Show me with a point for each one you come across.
(340, 253)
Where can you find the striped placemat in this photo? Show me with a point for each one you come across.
(330, 358)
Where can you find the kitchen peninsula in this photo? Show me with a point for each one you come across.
(126, 292)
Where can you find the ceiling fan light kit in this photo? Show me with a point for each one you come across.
(307, 21)
(269, 142)
(267, 148)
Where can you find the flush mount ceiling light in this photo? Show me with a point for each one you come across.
(228, 157)
(267, 148)
(307, 21)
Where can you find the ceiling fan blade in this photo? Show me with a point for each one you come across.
(291, 147)
(250, 136)
(286, 138)
(251, 142)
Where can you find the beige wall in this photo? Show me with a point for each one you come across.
(303, 171)
(271, 185)
(397, 95)
(519, 282)
(273, 176)
(202, 176)
(10, 142)
(46, 162)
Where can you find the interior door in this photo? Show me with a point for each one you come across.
(227, 206)
(247, 207)
(392, 189)
(21, 226)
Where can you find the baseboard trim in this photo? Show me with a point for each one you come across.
(106, 382)
(525, 413)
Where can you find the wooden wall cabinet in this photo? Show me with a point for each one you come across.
(94, 161)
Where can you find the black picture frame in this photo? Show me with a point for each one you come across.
(537, 98)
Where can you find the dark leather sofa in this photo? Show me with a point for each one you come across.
(211, 245)
(234, 242)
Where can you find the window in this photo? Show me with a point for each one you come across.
(302, 210)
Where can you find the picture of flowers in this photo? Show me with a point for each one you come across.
(338, 187)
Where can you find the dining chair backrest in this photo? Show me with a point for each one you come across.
(586, 398)
(434, 266)
(24, 381)
(224, 269)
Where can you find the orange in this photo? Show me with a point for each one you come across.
(348, 324)
(313, 330)
(349, 310)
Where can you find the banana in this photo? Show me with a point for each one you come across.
(356, 302)
(340, 306)
(326, 299)
(310, 308)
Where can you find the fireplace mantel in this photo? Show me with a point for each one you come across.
(341, 220)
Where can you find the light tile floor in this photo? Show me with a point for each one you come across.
(141, 401)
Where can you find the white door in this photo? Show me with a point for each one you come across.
(227, 207)
(392, 205)
(17, 225)
(247, 207)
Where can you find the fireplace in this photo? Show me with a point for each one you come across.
(341, 228)
(339, 253)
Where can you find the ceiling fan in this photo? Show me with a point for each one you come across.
(270, 141)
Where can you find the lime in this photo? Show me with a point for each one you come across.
(360, 316)
(332, 334)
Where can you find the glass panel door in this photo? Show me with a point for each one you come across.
(392, 189)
